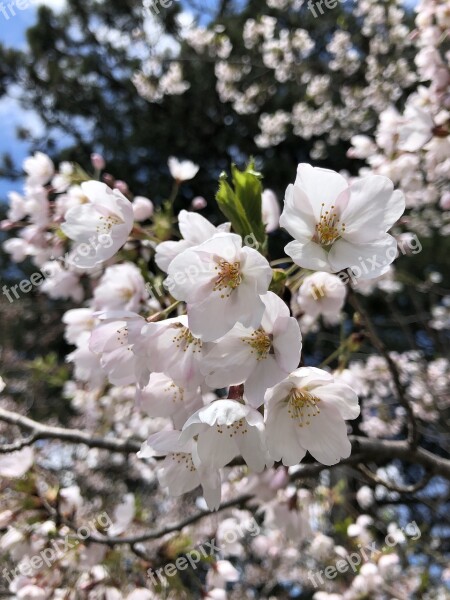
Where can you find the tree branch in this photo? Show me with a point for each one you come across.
(364, 449)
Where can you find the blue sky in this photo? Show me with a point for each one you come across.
(12, 33)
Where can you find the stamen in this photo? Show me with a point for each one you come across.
(234, 429)
(302, 406)
(229, 277)
(184, 460)
(177, 392)
(328, 229)
(186, 341)
(107, 223)
(260, 342)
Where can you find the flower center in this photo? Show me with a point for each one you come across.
(184, 340)
(302, 406)
(177, 392)
(328, 229)
(184, 460)
(260, 342)
(238, 427)
(107, 223)
(228, 278)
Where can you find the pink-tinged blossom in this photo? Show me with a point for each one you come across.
(87, 367)
(172, 349)
(337, 226)
(101, 226)
(182, 471)
(121, 287)
(259, 358)
(227, 429)
(162, 397)
(221, 281)
(307, 412)
(112, 342)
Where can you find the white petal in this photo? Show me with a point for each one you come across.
(325, 437)
(373, 208)
(341, 396)
(367, 261)
(308, 256)
(320, 185)
(298, 215)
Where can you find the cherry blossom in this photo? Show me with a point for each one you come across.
(181, 471)
(337, 226)
(221, 281)
(307, 412)
(100, 227)
(261, 357)
(226, 429)
(182, 170)
(195, 229)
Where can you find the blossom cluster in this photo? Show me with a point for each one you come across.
(225, 330)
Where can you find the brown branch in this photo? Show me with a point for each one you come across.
(364, 449)
(47, 432)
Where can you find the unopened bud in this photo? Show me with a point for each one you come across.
(98, 162)
(122, 187)
(142, 208)
(198, 203)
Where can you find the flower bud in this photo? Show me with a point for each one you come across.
(98, 162)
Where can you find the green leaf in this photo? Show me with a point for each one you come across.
(241, 203)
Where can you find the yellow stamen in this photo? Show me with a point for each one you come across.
(260, 342)
(328, 229)
(228, 278)
(302, 406)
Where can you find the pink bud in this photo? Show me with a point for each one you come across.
(198, 203)
(98, 162)
(5, 225)
(445, 201)
(122, 187)
(280, 479)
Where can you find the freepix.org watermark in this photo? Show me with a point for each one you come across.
(316, 7)
(70, 259)
(30, 565)
(203, 552)
(155, 6)
(365, 266)
(10, 9)
(363, 554)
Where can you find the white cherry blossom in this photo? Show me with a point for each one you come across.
(195, 230)
(307, 412)
(181, 471)
(322, 294)
(121, 287)
(172, 349)
(221, 281)
(340, 226)
(101, 226)
(183, 170)
(39, 169)
(162, 397)
(261, 357)
(226, 429)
